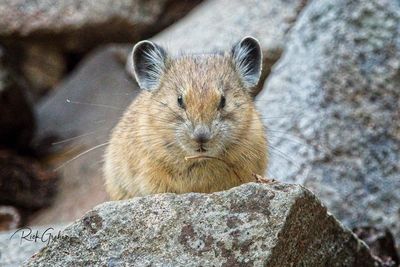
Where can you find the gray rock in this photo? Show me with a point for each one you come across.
(16, 247)
(250, 225)
(77, 25)
(215, 24)
(218, 24)
(332, 108)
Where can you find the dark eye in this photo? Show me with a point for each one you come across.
(222, 102)
(180, 102)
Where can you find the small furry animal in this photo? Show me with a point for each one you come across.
(193, 128)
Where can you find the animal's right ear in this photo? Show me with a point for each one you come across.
(148, 64)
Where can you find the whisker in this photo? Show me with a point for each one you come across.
(286, 137)
(296, 139)
(99, 121)
(273, 118)
(79, 155)
(92, 104)
(76, 137)
(283, 155)
(124, 94)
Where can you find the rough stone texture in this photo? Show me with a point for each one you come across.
(79, 115)
(218, 24)
(250, 225)
(215, 24)
(78, 25)
(14, 250)
(332, 108)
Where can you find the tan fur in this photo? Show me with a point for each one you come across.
(145, 155)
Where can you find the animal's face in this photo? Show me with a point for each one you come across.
(203, 101)
(206, 94)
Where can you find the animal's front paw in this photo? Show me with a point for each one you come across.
(264, 180)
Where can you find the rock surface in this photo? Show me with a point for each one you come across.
(332, 108)
(218, 24)
(77, 25)
(250, 225)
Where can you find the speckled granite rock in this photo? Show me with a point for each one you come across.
(218, 24)
(332, 107)
(215, 24)
(250, 225)
(78, 25)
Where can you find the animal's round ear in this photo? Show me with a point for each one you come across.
(247, 57)
(148, 60)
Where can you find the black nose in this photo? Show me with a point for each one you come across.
(201, 134)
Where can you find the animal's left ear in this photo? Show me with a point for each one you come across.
(148, 61)
(247, 57)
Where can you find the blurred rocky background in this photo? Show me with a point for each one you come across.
(330, 102)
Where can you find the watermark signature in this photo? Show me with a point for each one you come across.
(26, 234)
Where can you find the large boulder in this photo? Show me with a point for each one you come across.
(331, 106)
(250, 225)
(78, 25)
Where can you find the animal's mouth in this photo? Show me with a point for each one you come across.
(201, 149)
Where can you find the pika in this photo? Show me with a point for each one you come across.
(194, 126)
